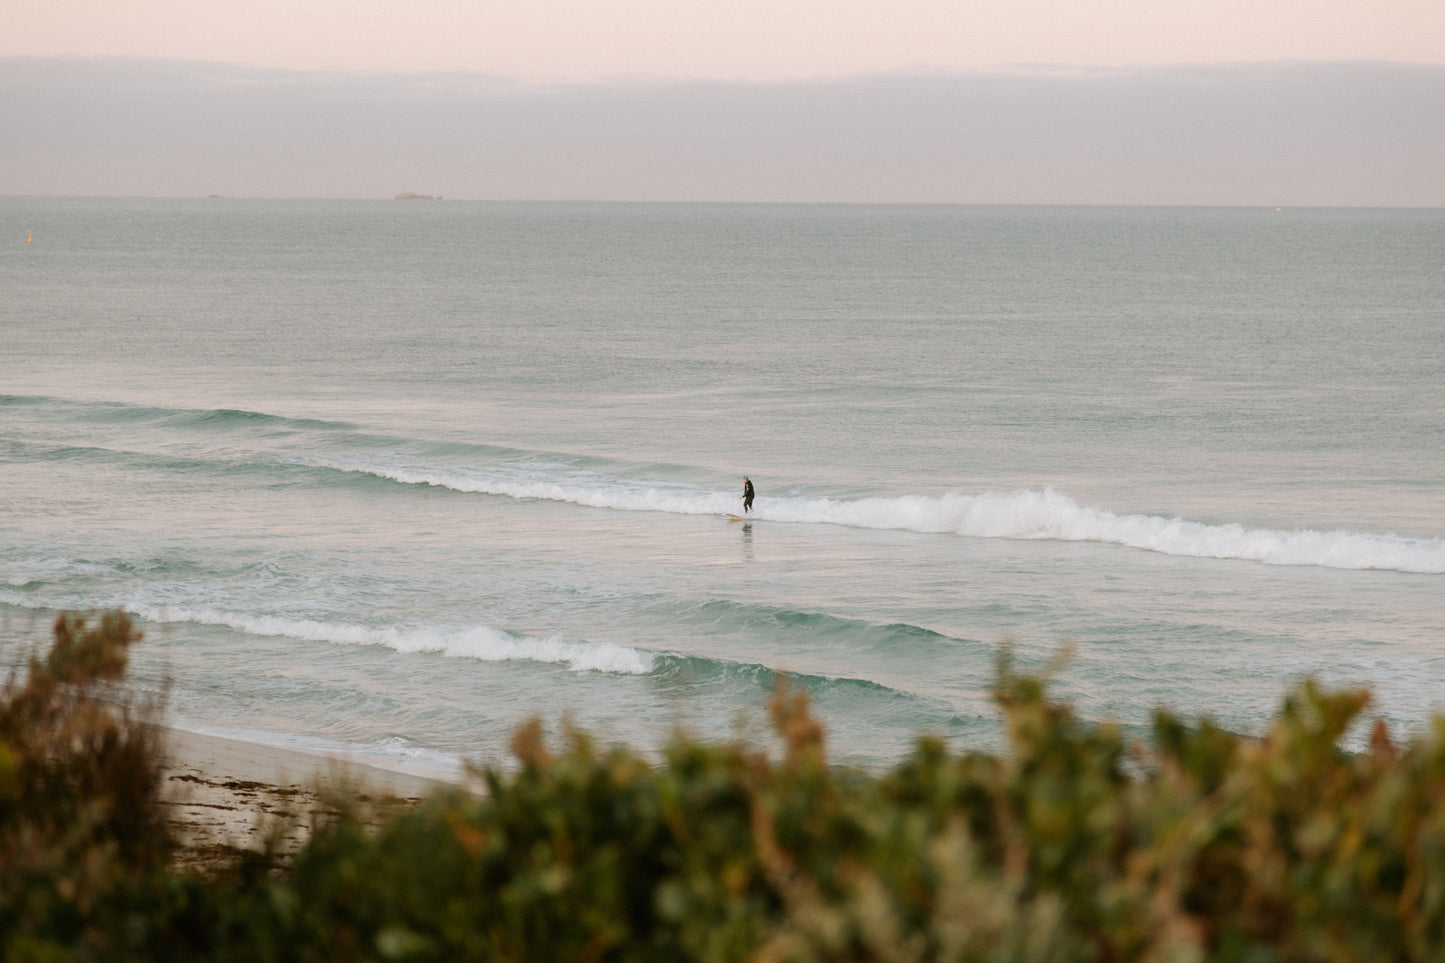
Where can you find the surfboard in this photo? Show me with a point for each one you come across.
(736, 518)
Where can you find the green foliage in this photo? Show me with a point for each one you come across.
(83, 840)
(1071, 845)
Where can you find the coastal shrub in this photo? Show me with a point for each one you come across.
(1072, 845)
(83, 838)
(1075, 843)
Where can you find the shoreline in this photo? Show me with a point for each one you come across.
(225, 796)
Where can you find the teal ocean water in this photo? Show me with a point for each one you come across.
(392, 477)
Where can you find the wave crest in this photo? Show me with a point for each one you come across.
(1024, 514)
(474, 642)
(1048, 514)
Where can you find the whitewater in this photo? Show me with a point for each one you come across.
(1042, 514)
(392, 479)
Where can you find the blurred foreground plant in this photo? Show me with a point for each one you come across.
(83, 838)
(1072, 845)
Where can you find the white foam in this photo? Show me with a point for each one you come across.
(574, 486)
(1025, 514)
(474, 642)
(1049, 515)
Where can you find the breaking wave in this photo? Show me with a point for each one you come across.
(479, 642)
(1025, 514)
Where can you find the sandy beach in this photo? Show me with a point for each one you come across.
(225, 795)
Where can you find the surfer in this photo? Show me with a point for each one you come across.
(747, 494)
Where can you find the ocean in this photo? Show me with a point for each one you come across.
(389, 478)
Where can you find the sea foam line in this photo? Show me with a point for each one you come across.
(521, 481)
(1050, 515)
(1024, 514)
(479, 642)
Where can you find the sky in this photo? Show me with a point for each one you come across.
(757, 40)
(1256, 102)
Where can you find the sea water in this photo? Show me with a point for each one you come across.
(390, 478)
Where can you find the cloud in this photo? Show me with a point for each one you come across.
(1278, 134)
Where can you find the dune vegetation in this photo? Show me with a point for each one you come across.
(1072, 844)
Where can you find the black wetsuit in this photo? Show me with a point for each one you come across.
(747, 495)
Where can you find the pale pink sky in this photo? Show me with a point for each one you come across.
(583, 40)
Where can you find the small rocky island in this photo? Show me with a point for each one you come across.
(409, 196)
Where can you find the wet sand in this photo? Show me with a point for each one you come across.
(225, 796)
